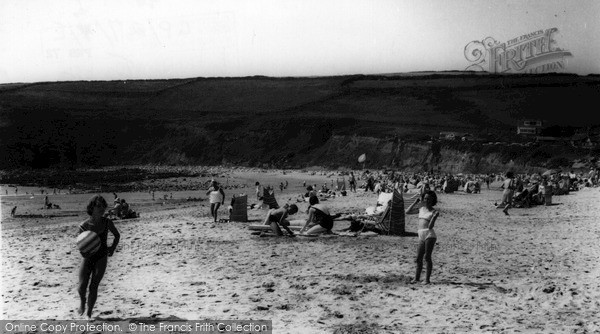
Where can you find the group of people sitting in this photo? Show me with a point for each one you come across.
(524, 191)
(320, 220)
(442, 183)
(121, 209)
(49, 205)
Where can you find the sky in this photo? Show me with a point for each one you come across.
(65, 40)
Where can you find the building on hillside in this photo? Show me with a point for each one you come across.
(530, 128)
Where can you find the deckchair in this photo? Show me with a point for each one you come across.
(392, 221)
(239, 211)
(382, 203)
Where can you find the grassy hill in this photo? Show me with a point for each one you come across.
(276, 121)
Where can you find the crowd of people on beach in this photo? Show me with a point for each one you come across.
(519, 190)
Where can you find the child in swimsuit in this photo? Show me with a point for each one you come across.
(427, 236)
(93, 267)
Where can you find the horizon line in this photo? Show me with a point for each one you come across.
(392, 74)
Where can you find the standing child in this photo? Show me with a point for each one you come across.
(93, 265)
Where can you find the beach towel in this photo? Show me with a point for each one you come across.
(239, 211)
(295, 225)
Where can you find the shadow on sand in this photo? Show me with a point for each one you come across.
(146, 320)
(478, 285)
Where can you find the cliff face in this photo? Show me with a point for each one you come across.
(288, 122)
(454, 157)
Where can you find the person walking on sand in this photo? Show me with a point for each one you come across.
(352, 182)
(93, 265)
(427, 237)
(509, 186)
(216, 196)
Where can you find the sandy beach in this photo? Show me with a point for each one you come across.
(533, 271)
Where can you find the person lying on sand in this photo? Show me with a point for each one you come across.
(278, 218)
(94, 265)
(427, 237)
(319, 219)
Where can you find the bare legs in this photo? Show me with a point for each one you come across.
(424, 249)
(505, 210)
(214, 207)
(507, 197)
(275, 228)
(90, 273)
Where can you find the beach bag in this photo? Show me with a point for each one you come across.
(88, 243)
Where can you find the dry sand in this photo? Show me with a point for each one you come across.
(533, 271)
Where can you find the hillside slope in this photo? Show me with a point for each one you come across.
(276, 121)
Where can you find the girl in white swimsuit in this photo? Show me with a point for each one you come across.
(427, 236)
